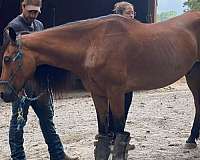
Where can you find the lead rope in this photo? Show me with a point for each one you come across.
(23, 101)
(20, 116)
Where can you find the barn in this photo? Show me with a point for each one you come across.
(63, 11)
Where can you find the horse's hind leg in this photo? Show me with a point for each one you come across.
(193, 81)
(102, 147)
(118, 116)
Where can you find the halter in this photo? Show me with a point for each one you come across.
(18, 57)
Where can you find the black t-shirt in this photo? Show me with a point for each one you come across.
(20, 25)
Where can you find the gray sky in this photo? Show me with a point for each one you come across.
(171, 5)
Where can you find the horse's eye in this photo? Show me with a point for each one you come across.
(7, 59)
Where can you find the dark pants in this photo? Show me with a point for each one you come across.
(127, 104)
(44, 111)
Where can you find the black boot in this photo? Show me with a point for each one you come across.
(121, 142)
(102, 147)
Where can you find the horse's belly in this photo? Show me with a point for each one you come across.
(149, 84)
(157, 78)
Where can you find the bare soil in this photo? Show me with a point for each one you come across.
(159, 122)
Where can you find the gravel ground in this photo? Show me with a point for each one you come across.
(159, 122)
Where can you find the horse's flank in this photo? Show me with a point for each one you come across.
(114, 52)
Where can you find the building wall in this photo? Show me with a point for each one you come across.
(62, 12)
(6, 14)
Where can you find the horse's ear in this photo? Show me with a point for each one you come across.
(12, 34)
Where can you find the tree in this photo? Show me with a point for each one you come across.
(193, 4)
(166, 15)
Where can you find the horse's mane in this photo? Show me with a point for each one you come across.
(56, 79)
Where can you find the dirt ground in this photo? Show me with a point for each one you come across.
(159, 122)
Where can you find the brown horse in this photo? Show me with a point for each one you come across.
(112, 55)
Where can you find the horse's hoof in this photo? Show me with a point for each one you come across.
(190, 146)
(70, 158)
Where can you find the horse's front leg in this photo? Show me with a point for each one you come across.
(118, 116)
(127, 104)
(193, 81)
(102, 147)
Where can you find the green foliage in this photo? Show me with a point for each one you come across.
(166, 15)
(193, 4)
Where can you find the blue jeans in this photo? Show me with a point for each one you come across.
(44, 111)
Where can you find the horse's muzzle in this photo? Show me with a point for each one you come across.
(8, 94)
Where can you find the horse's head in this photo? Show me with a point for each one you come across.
(16, 67)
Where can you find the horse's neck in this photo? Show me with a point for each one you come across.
(57, 49)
